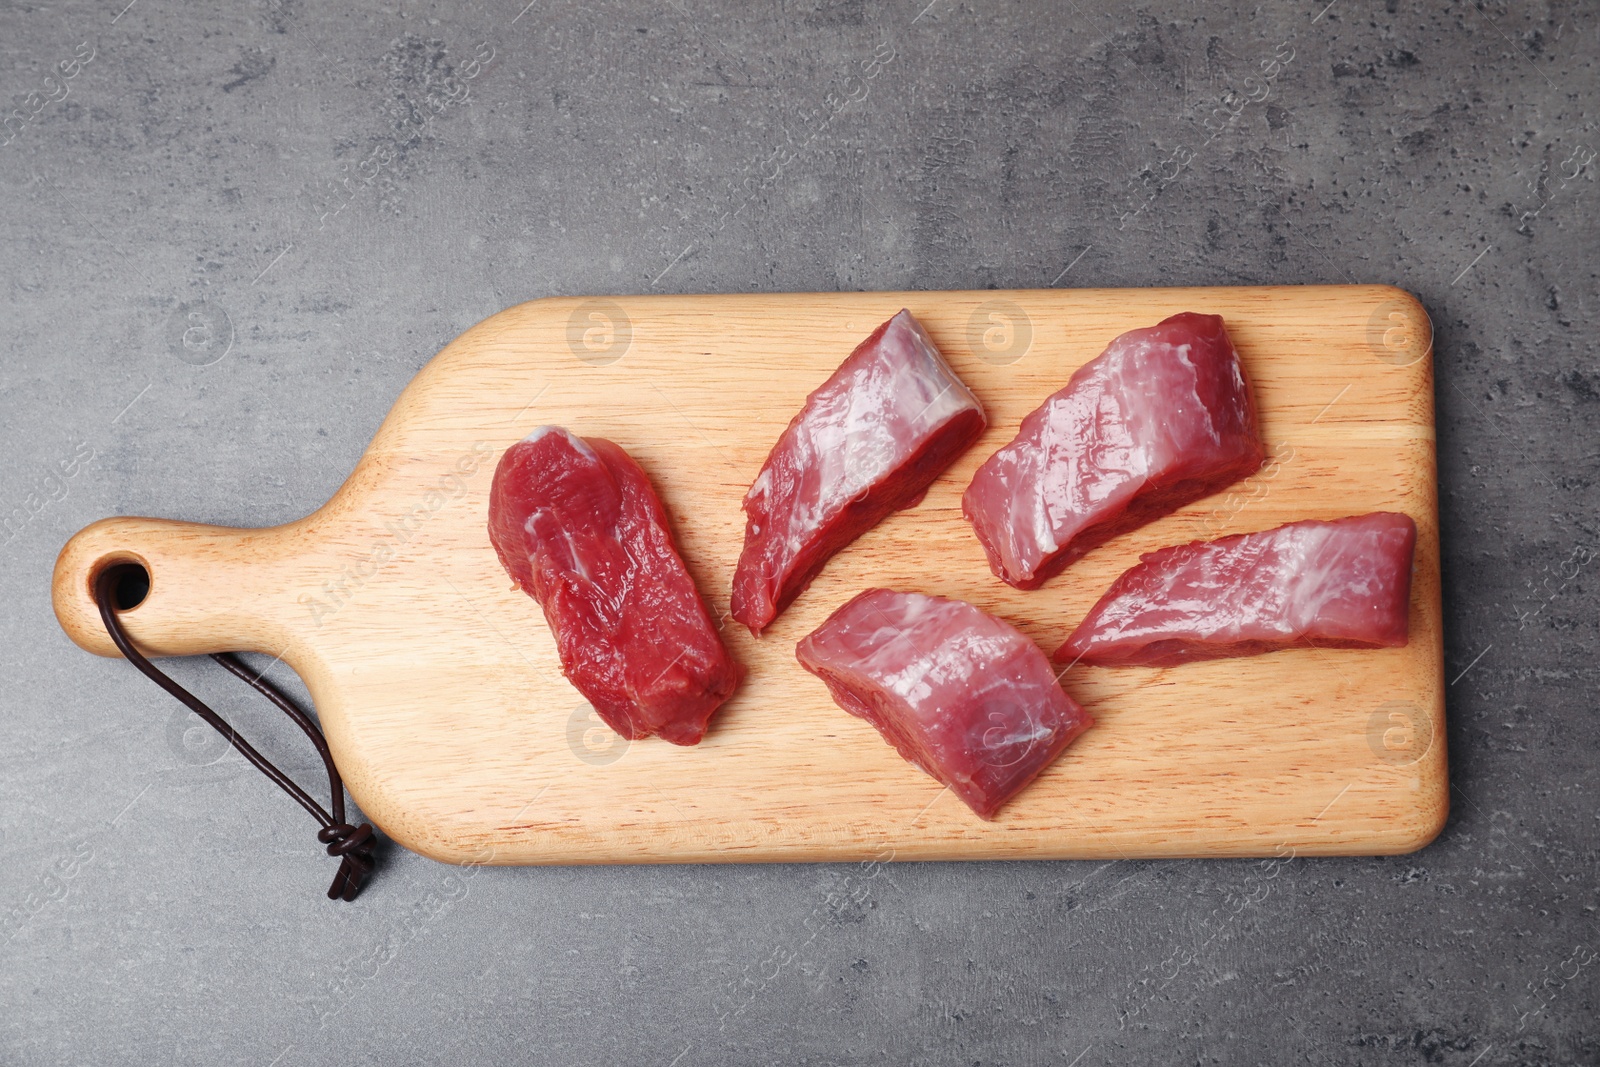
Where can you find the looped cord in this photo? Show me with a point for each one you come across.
(351, 845)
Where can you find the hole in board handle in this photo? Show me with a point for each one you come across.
(130, 584)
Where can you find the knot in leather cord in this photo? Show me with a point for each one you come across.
(351, 845)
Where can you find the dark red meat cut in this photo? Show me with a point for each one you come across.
(959, 693)
(867, 443)
(1161, 418)
(577, 525)
(1340, 584)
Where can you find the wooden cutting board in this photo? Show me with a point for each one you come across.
(441, 695)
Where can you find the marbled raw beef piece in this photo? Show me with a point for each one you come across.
(1340, 584)
(1161, 418)
(868, 442)
(579, 528)
(959, 693)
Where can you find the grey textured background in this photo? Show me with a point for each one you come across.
(161, 905)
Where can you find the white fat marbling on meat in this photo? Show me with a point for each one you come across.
(858, 432)
(542, 521)
(926, 647)
(578, 444)
(539, 524)
(1277, 582)
(1132, 412)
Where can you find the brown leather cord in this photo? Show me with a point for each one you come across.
(353, 845)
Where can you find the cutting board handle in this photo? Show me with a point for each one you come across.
(182, 614)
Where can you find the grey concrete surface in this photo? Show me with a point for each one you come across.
(234, 232)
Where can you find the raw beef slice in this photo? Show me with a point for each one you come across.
(578, 527)
(1161, 418)
(1340, 584)
(867, 443)
(957, 692)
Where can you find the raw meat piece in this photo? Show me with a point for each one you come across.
(959, 693)
(1161, 418)
(578, 527)
(1341, 584)
(868, 442)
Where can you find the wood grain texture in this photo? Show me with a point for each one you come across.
(442, 698)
